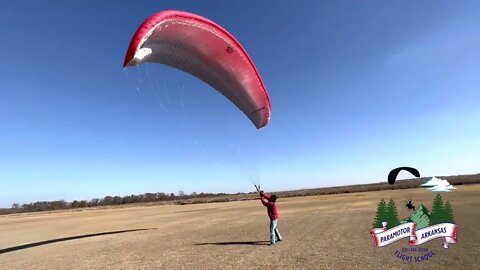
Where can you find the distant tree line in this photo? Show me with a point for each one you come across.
(181, 198)
(106, 201)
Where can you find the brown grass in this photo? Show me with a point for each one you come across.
(320, 232)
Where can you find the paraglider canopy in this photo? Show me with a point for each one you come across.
(392, 176)
(202, 48)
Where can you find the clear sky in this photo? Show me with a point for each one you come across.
(357, 88)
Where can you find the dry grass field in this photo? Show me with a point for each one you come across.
(320, 232)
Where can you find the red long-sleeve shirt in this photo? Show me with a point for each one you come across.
(271, 206)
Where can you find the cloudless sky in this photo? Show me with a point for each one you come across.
(357, 88)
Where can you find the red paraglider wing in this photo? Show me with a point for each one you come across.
(202, 48)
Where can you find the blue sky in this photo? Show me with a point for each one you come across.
(357, 88)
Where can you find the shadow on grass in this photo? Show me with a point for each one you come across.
(16, 248)
(251, 243)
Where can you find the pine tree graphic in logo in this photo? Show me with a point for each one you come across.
(437, 211)
(391, 216)
(441, 213)
(449, 213)
(381, 214)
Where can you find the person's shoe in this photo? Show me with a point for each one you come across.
(279, 240)
(271, 244)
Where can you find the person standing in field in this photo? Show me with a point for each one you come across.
(270, 202)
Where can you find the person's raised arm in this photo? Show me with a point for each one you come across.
(264, 195)
(266, 202)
